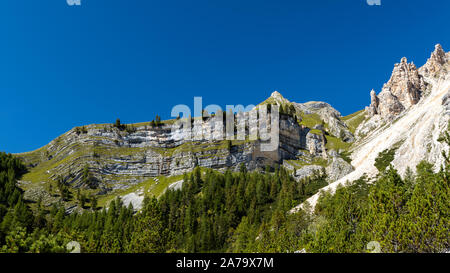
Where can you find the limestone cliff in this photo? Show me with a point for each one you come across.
(118, 157)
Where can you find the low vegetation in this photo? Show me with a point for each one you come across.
(384, 159)
(337, 144)
(354, 120)
(311, 120)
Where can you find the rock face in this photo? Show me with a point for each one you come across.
(416, 132)
(176, 185)
(136, 199)
(372, 110)
(119, 157)
(410, 87)
(406, 86)
(316, 144)
(307, 171)
(404, 89)
(293, 138)
(338, 169)
(329, 115)
(436, 62)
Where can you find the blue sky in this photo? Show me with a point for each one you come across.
(64, 66)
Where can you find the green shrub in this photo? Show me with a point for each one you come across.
(384, 159)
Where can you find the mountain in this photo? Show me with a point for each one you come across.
(406, 118)
(133, 160)
(206, 200)
(136, 159)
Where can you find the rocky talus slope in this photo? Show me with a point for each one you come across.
(408, 116)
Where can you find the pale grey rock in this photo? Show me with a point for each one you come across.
(316, 144)
(374, 104)
(176, 185)
(279, 99)
(330, 116)
(71, 209)
(407, 85)
(307, 171)
(404, 89)
(136, 199)
(446, 103)
(333, 153)
(436, 63)
(39, 192)
(338, 169)
(369, 126)
(288, 166)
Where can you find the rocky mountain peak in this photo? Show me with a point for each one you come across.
(404, 89)
(277, 98)
(277, 95)
(415, 134)
(435, 63)
(407, 85)
(439, 54)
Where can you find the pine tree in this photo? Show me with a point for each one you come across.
(426, 226)
(94, 202)
(387, 201)
(150, 236)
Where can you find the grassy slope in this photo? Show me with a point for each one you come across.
(354, 120)
(310, 120)
(150, 187)
(334, 143)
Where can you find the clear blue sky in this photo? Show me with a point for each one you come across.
(64, 66)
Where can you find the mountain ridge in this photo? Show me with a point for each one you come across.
(120, 157)
(314, 136)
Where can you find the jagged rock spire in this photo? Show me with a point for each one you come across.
(406, 85)
(435, 63)
(439, 54)
(374, 102)
(403, 89)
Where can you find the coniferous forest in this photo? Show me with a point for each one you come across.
(241, 212)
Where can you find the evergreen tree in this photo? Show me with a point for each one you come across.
(150, 235)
